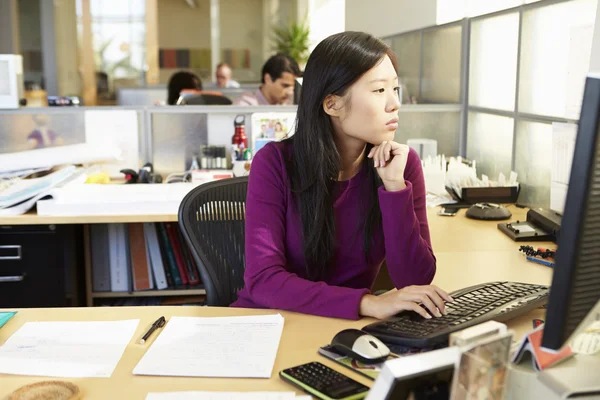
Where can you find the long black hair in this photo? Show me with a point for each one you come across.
(333, 66)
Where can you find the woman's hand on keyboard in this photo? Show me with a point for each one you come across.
(409, 298)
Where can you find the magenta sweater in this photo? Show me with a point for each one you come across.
(275, 276)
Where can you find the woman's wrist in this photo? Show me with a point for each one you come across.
(366, 306)
(394, 186)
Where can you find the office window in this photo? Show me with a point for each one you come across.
(533, 162)
(493, 62)
(489, 142)
(441, 65)
(555, 56)
(407, 48)
(441, 126)
(119, 34)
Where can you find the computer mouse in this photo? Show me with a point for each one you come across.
(361, 346)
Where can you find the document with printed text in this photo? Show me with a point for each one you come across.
(235, 347)
(67, 349)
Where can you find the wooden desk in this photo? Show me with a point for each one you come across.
(302, 336)
(468, 252)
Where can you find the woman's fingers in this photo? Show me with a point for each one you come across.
(442, 294)
(418, 293)
(381, 154)
(430, 293)
(427, 302)
(409, 305)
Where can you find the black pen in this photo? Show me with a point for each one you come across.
(159, 323)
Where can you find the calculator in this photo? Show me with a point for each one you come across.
(323, 382)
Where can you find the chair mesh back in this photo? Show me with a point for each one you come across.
(212, 219)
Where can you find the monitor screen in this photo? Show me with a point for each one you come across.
(575, 289)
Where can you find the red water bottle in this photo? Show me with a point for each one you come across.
(239, 136)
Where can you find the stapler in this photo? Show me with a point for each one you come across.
(146, 175)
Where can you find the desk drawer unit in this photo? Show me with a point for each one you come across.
(37, 266)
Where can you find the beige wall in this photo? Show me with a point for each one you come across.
(241, 28)
(182, 27)
(387, 17)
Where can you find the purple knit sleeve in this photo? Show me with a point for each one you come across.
(408, 251)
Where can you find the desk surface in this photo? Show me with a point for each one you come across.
(34, 219)
(443, 225)
(302, 336)
(468, 252)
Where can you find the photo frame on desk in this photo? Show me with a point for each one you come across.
(269, 127)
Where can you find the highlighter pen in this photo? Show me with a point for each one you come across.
(159, 323)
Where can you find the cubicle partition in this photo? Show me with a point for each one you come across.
(169, 137)
(177, 133)
(38, 137)
(157, 94)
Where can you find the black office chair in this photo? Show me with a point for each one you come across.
(212, 219)
(207, 100)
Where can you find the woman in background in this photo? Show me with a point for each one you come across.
(179, 81)
(327, 206)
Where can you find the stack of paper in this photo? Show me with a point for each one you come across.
(67, 349)
(236, 347)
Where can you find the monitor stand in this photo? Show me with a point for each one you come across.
(577, 377)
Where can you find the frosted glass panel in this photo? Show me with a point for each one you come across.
(533, 162)
(407, 48)
(441, 65)
(176, 138)
(493, 62)
(489, 142)
(441, 126)
(555, 58)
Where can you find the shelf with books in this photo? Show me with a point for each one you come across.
(150, 293)
(139, 260)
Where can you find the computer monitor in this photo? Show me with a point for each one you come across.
(575, 289)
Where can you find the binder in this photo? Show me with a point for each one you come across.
(119, 260)
(169, 255)
(176, 246)
(154, 256)
(100, 248)
(142, 274)
(190, 266)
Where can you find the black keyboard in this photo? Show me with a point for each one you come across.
(499, 301)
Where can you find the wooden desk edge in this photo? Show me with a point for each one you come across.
(33, 219)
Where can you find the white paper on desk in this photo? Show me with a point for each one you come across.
(235, 347)
(193, 395)
(67, 349)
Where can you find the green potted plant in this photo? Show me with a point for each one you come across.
(293, 40)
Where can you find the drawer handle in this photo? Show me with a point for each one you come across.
(15, 278)
(12, 252)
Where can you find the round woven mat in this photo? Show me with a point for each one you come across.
(50, 390)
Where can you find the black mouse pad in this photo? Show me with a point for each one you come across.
(370, 370)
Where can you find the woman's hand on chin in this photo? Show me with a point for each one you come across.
(390, 159)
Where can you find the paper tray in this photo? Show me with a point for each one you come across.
(502, 194)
